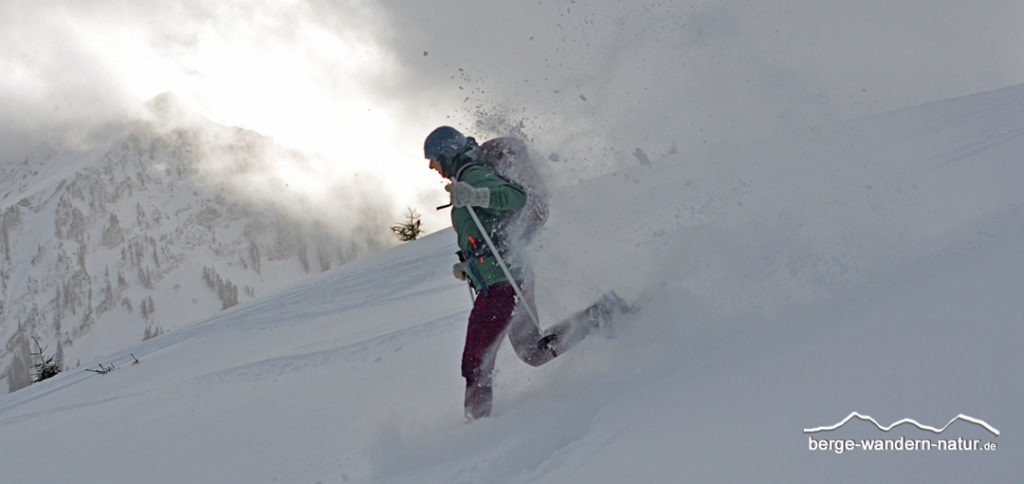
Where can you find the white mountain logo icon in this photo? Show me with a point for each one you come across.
(867, 418)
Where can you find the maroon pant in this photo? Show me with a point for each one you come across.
(498, 313)
(495, 314)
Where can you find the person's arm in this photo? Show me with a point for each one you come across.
(482, 188)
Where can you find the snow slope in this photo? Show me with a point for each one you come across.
(874, 266)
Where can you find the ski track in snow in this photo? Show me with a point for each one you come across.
(365, 351)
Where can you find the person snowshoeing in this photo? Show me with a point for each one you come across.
(493, 218)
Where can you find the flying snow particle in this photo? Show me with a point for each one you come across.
(640, 155)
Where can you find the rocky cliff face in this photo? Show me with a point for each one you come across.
(107, 247)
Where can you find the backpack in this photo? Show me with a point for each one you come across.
(512, 162)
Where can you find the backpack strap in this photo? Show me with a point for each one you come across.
(458, 174)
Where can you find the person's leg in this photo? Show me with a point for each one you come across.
(524, 334)
(536, 350)
(487, 324)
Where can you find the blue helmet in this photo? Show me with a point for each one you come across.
(444, 143)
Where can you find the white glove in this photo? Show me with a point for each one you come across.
(460, 270)
(464, 194)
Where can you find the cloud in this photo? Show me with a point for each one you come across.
(312, 75)
(362, 82)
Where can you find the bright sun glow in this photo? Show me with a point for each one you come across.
(309, 87)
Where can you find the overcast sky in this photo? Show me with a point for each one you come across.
(590, 80)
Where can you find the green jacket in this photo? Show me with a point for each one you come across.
(506, 198)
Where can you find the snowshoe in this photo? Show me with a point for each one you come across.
(603, 312)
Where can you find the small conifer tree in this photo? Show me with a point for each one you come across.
(410, 229)
(44, 366)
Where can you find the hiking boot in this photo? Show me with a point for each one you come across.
(478, 401)
(602, 313)
(612, 303)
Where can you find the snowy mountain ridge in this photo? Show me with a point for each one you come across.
(104, 248)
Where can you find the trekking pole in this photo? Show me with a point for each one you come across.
(501, 262)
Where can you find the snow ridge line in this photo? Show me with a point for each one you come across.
(868, 418)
